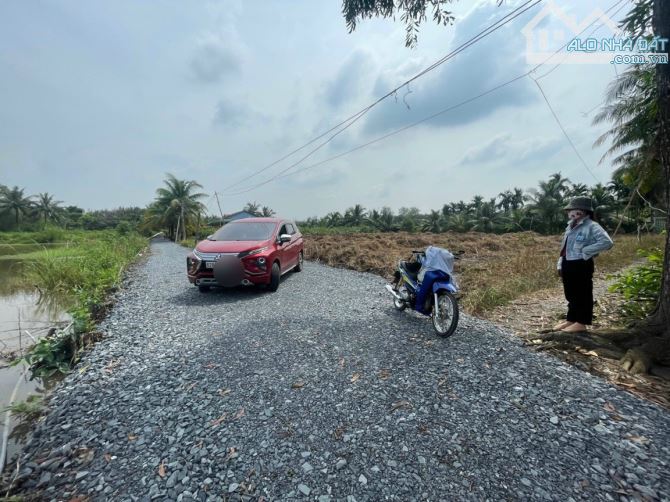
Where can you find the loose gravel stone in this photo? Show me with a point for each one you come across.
(231, 389)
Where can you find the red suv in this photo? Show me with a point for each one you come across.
(247, 252)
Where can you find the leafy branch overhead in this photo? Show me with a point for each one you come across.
(412, 13)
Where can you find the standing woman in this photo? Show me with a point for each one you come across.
(582, 241)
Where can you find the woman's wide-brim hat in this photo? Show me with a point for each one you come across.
(583, 203)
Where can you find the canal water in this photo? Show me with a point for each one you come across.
(24, 319)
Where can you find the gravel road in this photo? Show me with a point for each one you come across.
(323, 392)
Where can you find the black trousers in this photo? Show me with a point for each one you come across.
(578, 287)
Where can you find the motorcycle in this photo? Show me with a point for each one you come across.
(426, 284)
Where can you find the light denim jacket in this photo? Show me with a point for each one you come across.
(584, 241)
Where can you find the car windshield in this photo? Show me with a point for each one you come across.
(244, 232)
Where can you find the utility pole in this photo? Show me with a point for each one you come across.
(219, 204)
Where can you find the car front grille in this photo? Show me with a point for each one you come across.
(211, 256)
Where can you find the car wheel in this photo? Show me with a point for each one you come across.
(301, 259)
(275, 275)
(203, 289)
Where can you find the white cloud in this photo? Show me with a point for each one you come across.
(504, 149)
(214, 58)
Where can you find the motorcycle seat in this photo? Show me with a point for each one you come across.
(412, 268)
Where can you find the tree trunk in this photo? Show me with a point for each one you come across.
(661, 27)
(183, 223)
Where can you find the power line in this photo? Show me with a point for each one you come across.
(414, 124)
(354, 118)
(590, 34)
(565, 133)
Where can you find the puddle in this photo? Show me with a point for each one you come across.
(23, 321)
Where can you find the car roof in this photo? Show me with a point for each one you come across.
(259, 220)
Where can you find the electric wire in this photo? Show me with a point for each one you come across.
(565, 133)
(282, 175)
(354, 118)
(590, 34)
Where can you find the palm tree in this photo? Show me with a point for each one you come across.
(383, 220)
(476, 203)
(447, 209)
(15, 201)
(458, 222)
(632, 107)
(487, 218)
(603, 201)
(506, 199)
(433, 223)
(47, 207)
(355, 215)
(176, 205)
(518, 220)
(267, 212)
(461, 207)
(517, 199)
(548, 201)
(252, 208)
(333, 219)
(577, 190)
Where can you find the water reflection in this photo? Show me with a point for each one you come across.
(25, 317)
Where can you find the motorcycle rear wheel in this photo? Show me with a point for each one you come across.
(445, 314)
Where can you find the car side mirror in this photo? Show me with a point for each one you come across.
(210, 237)
(284, 238)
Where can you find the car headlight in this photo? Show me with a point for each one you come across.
(259, 250)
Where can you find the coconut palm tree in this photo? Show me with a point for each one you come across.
(252, 208)
(487, 218)
(603, 201)
(458, 222)
(632, 107)
(547, 202)
(433, 223)
(355, 215)
(517, 199)
(47, 207)
(476, 203)
(267, 212)
(176, 205)
(506, 199)
(333, 219)
(383, 220)
(13, 200)
(577, 190)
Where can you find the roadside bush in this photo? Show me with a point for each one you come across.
(641, 285)
(79, 278)
(51, 234)
(124, 228)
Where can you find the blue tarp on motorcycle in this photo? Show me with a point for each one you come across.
(438, 264)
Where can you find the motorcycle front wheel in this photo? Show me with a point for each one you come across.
(445, 314)
(399, 304)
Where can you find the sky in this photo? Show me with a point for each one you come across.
(100, 99)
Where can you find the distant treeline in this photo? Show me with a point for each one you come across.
(178, 212)
(538, 209)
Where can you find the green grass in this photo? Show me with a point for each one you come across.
(80, 278)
